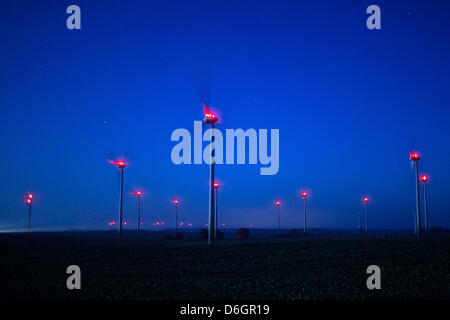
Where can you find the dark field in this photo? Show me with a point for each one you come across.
(33, 266)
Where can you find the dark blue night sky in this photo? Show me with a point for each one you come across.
(350, 104)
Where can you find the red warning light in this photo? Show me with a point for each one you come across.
(414, 156)
(210, 117)
(120, 163)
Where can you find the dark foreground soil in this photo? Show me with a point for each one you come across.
(33, 266)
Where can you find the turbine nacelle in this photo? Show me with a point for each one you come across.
(120, 163)
(210, 118)
(414, 156)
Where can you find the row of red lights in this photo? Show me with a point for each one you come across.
(156, 223)
(212, 118)
(304, 194)
(414, 156)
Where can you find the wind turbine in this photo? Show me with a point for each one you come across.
(29, 201)
(366, 205)
(277, 203)
(210, 118)
(121, 165)
(176, 202)
(216, 187)
(304, 195)
(138, 195)
(414, 156)
(424, 180)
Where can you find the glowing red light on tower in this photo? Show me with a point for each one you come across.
(366, 199)
(28, 201)
(414, 156)
(424, 178)
(30, 196)
(216, 185)
(175, 201)
(277, 203)
(304, 194)
(120, 163)
(138, 193)
(210, 117)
